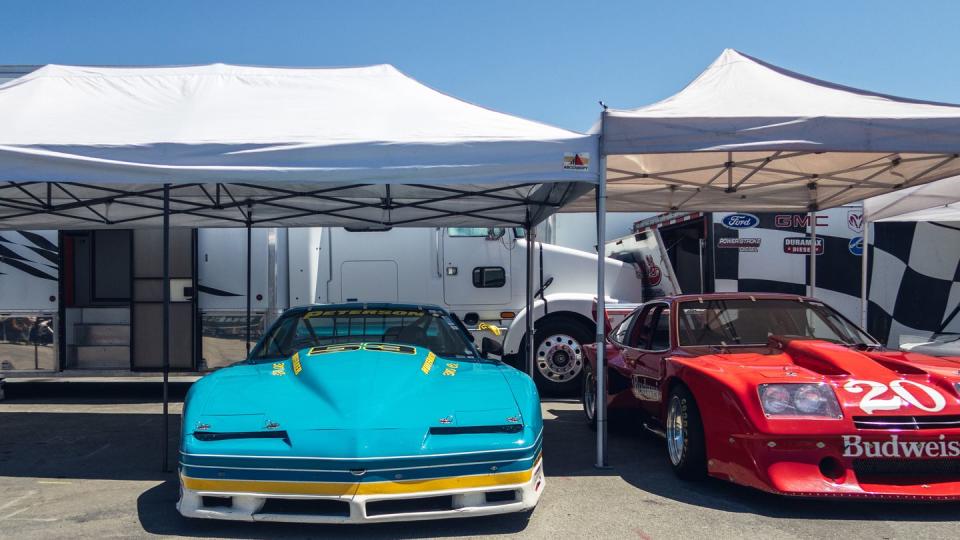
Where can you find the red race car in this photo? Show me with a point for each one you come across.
(783, 394)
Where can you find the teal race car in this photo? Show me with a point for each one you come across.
(362, 412)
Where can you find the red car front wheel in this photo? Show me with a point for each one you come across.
(685, 440)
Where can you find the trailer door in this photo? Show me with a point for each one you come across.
(476, 265)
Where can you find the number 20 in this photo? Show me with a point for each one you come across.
(872, 402)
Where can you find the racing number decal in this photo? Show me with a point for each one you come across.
(873, 402)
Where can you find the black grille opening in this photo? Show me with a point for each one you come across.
(217, 502)
(459, 430)
(907, 472)
(509, 495)
(307, 507)
(215, 436)
(410, 506)
(945, 421)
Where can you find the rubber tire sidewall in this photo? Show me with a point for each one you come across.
(591, 422)
(553, 326)
(693, 462)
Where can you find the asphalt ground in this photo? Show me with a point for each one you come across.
(83, 460)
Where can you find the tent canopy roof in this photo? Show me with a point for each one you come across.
(89, 146)
(936, 201)
(747, 135)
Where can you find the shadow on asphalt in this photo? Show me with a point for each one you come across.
(82, 392)
(126, 446)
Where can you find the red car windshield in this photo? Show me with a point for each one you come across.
(752, 322)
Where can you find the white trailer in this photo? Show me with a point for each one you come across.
(476, 273)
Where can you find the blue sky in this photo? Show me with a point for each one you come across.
(549, 60)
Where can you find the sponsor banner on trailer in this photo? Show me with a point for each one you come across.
(914, 267)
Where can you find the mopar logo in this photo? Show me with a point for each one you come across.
(740, 221)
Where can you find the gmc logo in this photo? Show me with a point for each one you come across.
(787, 221)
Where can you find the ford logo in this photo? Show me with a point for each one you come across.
(740, 221)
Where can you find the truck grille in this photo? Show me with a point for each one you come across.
(907, 422)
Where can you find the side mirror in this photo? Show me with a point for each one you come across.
(490, 346)
(495, 233)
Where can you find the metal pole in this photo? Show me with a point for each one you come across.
(165, 341)
(813, 254)
(864, 271)
(601, 398)
(531, 354)
(249, 288)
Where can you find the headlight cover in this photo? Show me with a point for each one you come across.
(799, 399)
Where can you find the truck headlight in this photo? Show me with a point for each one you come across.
(799, 399)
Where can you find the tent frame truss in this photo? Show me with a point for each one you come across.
(877, 165)
(220, 203)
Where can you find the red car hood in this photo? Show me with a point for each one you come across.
(889, 383)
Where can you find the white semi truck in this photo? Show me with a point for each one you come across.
(98, 293)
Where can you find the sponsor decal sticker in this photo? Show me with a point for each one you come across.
(576, 161)
(428, 363)
(295, 361)
(645, 390)
(797, 221)
(856, 246)
(363, 312)
(279, 369)
(855, 220)
(740, 221)
(451, 369)
(800, 245)
(873, 390)
(742, 244)
(855, 447)
(654, 275)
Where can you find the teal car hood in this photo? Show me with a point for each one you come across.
(357, 404)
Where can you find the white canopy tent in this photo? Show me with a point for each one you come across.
(368, 146)
(746, 135)
(936, 201)
(222, 146)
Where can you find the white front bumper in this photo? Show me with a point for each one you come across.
(463, 503)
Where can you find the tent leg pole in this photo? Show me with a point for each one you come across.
(249, 287)
(601, 396)
(165, 340)
(529, 360)
(864, 272)
(813, 254)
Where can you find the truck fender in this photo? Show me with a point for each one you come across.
(559, 303)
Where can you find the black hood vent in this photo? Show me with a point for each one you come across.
(462, 430)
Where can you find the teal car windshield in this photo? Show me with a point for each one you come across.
(430, 329)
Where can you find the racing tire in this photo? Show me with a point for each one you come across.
(559, 356)
(686, 446)
(588, 395)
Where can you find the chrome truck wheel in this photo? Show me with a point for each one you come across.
(558, 355)
(560, 358)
